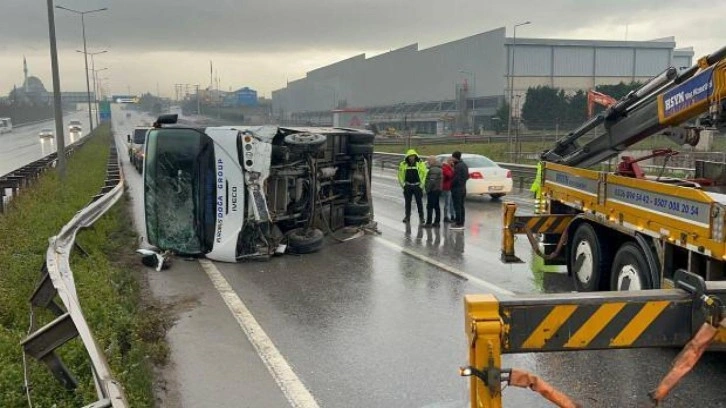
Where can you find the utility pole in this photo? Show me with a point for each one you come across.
(511, 88)
(473, 98)
(57, 107)
(95, 79)
(199, 105)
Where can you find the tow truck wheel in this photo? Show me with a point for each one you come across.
(304, 241)
(630, 269)
(589, 259)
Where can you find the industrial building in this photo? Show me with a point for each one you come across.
(463, 82)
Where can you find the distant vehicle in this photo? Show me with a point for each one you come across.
(75, 126)
(45, 133)
(485, 176)
(6, 125)
(136, 147)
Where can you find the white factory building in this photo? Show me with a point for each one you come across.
(469, 77)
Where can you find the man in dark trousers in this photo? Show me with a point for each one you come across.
(458, 190)
(433, 193)
(411, 176)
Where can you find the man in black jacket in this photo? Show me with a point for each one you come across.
(458, 190)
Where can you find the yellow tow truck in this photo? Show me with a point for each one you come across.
(654, 247)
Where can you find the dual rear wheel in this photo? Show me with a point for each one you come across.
(595, 265)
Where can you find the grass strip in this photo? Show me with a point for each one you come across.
(129, 329)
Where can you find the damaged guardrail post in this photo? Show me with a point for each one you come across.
(57, 282)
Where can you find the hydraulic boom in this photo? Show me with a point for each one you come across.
(661, 105)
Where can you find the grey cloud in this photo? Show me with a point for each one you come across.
(279, 25)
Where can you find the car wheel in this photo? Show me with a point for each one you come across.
(357, 209)
(360, 149)
(305, 142)
(589, 259)
(304, 241)
(361, 138)
(630, 269)
(355, 220)
(497, 196)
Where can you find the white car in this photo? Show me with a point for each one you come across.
(75, 126)
(485, 176)
(6, 125)
(45, 133)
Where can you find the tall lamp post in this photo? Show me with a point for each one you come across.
(85, 53)
(511, 86)
(473, 96)
(95, 91)
(95, 86)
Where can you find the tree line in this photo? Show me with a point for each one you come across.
(547, 108)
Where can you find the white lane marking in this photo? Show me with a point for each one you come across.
(295, 391)
(450, 269)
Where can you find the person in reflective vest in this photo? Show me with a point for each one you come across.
(411, 175)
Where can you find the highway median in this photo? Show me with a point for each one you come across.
(129, 328)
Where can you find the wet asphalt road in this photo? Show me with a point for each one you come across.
(23, 146)
(366, 325)
(363, 324)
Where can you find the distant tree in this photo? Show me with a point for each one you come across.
(576, 110)
(543, 106)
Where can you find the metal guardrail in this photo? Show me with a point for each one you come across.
(522, 173)
(18, 179)
(462, 139)
(57, 280)
(525, 173)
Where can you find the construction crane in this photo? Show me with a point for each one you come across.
(651, 249)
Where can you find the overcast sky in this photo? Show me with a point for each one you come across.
(263, 43)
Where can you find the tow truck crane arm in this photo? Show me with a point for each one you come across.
(666, 235)
(666, 101)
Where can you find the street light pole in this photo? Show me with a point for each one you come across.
(57, 107)
(95, 86)
(511, 87)
(199, 110)
(85, 54)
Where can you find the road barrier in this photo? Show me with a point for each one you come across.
(19, 179)
(522, 174)
(463, 139)
(57, 280)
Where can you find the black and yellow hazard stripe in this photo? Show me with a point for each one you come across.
(541, 224)
(592, 323)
